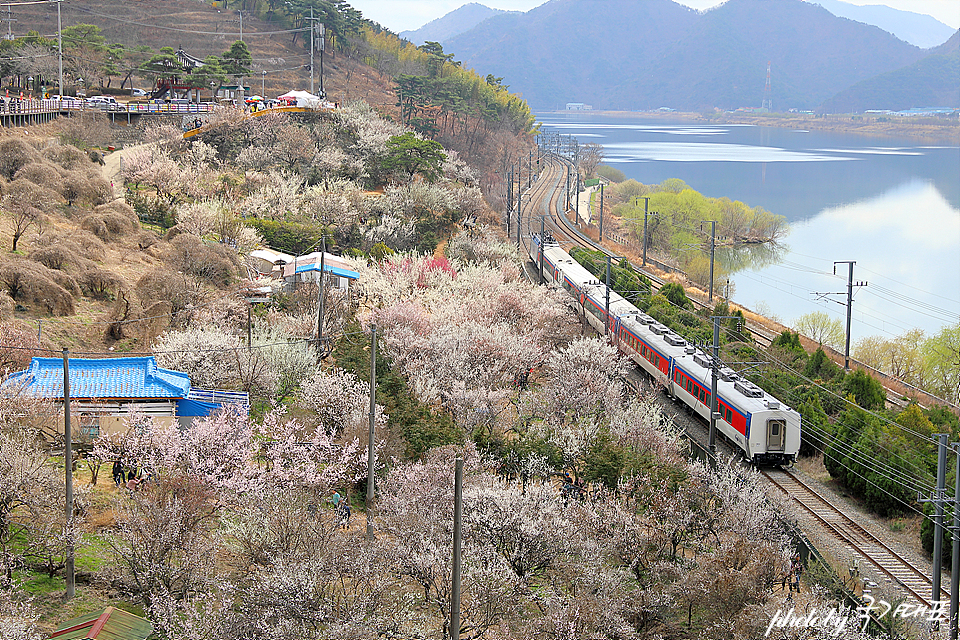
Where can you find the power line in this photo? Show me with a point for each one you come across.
(203, 33)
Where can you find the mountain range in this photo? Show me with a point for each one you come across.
(916, 28)
(456, 22)
(623, 54)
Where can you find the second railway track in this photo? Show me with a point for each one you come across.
(913, 581)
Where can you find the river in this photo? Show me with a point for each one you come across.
(890, 204)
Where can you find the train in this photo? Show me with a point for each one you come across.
(763, 428)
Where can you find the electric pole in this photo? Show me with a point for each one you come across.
(321, 295)
(606, 323)
(457, 538)
(713, 250)
(68, 476)
(373, 420)
(646, 203)
(601, 213)
(850, 285)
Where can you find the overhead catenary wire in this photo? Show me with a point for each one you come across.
(193, 31)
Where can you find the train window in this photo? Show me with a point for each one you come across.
(729, 415)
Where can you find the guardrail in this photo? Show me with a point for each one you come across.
(27, 106)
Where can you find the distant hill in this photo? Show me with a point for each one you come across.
(916, 28)
(454, 23)
(628, 55)
(920, 84)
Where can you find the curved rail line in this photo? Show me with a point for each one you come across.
(902, 572)
(544, 198)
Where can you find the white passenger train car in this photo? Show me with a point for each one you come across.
(763, 428)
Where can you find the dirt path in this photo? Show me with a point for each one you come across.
(111, 167)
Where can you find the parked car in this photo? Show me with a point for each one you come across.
(102, 102)
(138, 93)
(179, 101)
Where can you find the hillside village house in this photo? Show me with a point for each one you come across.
(104, 392)
(294, 269)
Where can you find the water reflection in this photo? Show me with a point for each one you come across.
(889, 203)
(905, 248)
(751, 256)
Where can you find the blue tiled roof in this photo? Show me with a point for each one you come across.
(344, 273)
(103, 378)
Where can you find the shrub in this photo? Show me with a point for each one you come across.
(34, 286)
(14, 155)
(151, 210)
(25, 193)
(98, 191)
(100, 283)
(42, 174)
(160, 284)
(92, 130)
(66, 156)
(611, 173)
(81, 243)
(108, 225)
(60, 257)
(214, 264)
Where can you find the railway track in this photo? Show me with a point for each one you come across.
(903, 574)
(544, 198)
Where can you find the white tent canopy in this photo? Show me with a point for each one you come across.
(304, 99)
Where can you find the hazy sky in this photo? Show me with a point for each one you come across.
(406, 15)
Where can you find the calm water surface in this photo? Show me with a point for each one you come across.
(890, 204)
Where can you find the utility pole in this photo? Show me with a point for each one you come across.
(321, 41)
(955, 554)
(321, 294)
(576, 195)
(714, 371)
(510, 200)
(540, 271)
(68, 476)
(519, 218)
(457, 538)
(713, 250)
(529, 169)
(601, 213)
(646, 203)
(59, 45)
(606, 322)
(373, 420)
(938, 499)
(312, 38)
(850, 285)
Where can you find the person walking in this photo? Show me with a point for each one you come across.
(118, 475)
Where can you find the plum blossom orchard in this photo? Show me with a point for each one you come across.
(583, 518)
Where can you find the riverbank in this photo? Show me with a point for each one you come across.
(922, 128)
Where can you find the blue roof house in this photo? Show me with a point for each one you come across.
(103, 391)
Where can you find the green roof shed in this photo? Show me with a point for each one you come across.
(107, 624)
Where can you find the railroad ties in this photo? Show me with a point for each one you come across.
(914, 582)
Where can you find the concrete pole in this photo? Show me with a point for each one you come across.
(713, 249)
(59, 46)
(938, 520)
(846, 348)
(542, 279)
(646, 203)
(321, 294)
(312, 38)
(68, 473)
(457, 537)
(371, 466)
(714, 367)
(601, 213)
(955, 554)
